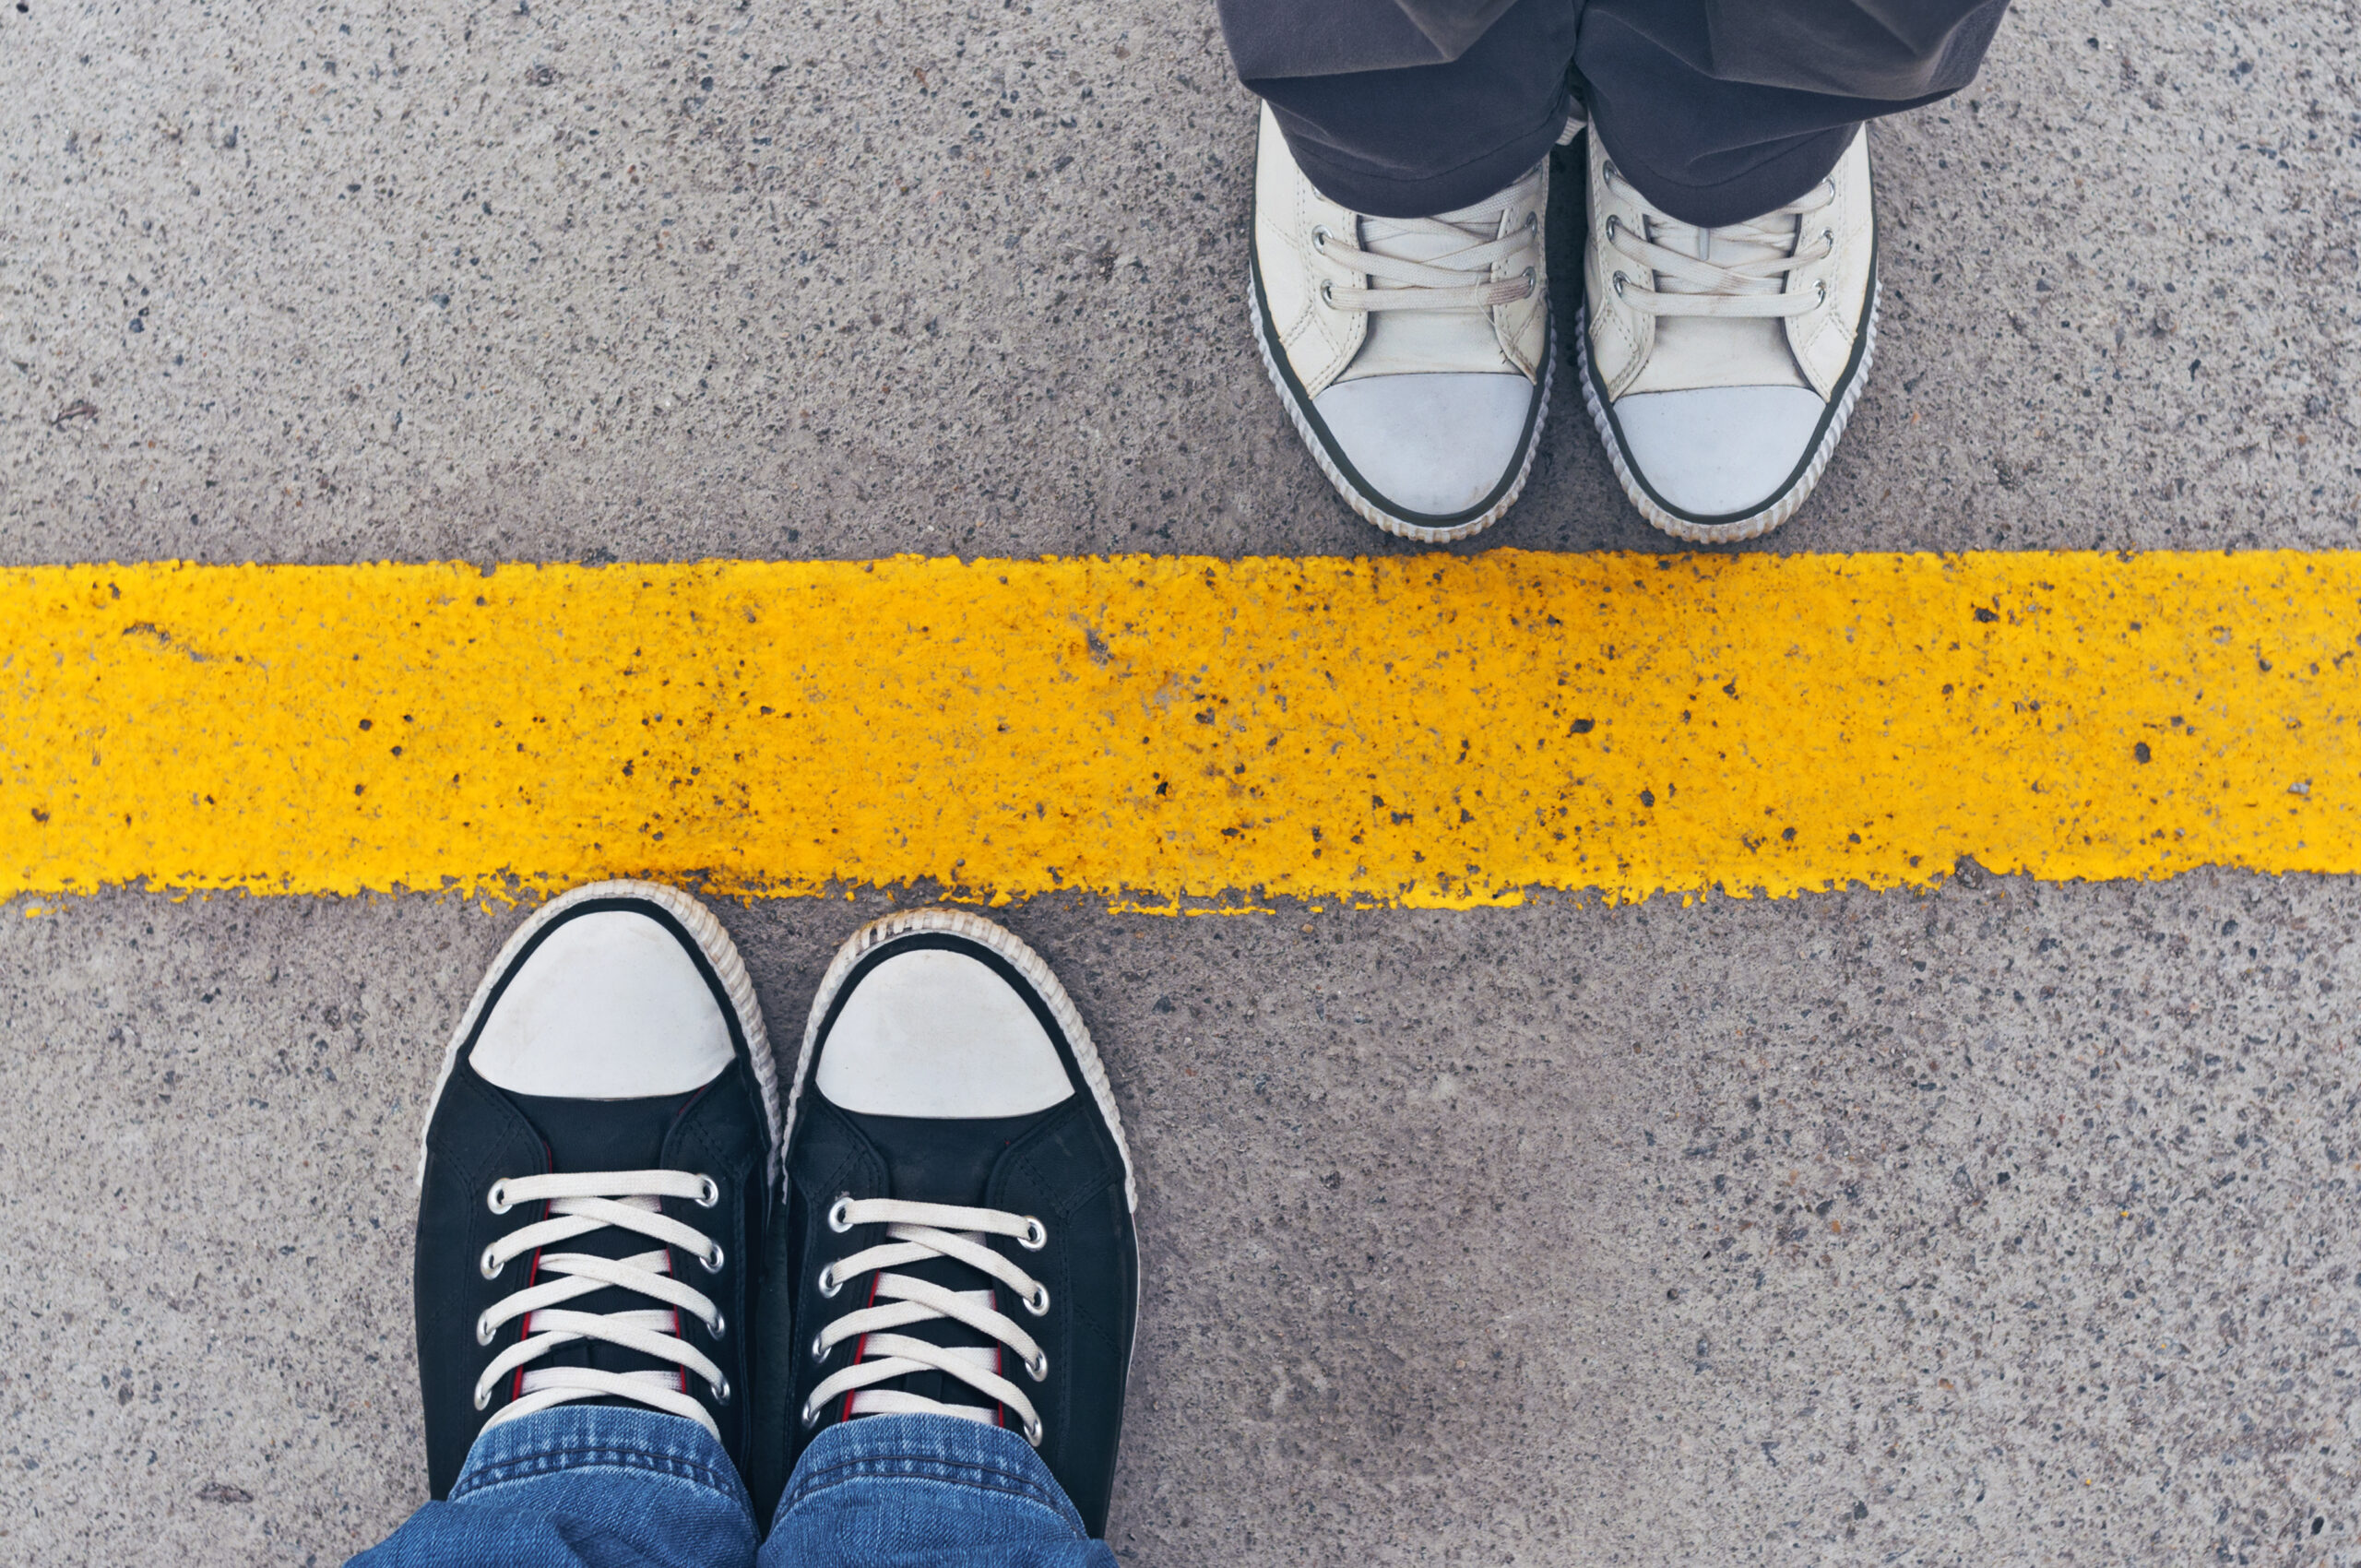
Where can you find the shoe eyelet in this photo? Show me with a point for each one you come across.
(1033, 1431)
(1531, 277)
(721, 1392)
(1039, 1367)
(491, 1265)
(1828, 238)
(1612, 226)
(708, 1191)
(1035, 1237)
(1038, 1304)
(1319, 239)
(820, 1348)
(497, 1199)
(713, 1260)
(1822, 287)
(811, 1416)
(828, 1282)
(1328, 294)
(841, 1214)
(1532, 221)
(484, 1329)
(1619, 281)
(483, 1398)
(718, 1326)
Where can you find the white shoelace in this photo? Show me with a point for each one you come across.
(917, 1232)
(579, 1205)
(1456, 277)
(1737, 272)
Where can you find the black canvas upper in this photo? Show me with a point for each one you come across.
(1062, 1166)
(478, 1133)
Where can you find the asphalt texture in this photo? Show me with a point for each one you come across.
(2006, 1223)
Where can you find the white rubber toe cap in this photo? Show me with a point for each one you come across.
(1436, 443)
(1714, 451)
(935, 1033)
(609, 1005)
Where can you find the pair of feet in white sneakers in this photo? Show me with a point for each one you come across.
(1416, 355)
(613, 1207)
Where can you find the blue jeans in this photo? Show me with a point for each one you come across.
(604, 1486)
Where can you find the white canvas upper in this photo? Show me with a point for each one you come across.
(935, 1033)
(1418, 346)
(1714, 450)
(609, 1005)
(1726, 357)
(1437, 441)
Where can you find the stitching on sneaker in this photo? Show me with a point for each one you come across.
(526, 1466)
(966, 1472)
(1354, 497)
(1021, 957)
(712, 940)
(1786, 504)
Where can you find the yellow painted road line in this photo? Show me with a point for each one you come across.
(1420, 729)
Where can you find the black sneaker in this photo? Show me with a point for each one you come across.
(598, 1174)
(956, 1237)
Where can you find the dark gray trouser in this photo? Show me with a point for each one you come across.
(1716, 109)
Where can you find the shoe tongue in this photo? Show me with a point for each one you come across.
(950, 1333)
(1478, 224)
(1729, 246)
(614, 1135)
(1697, 352)
(1430, 342)
(929, 1166)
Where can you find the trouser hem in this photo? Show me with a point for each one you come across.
(1378, 193)
(590, 1437)
(599, 1456)
(1777, 179)
(945, 1449)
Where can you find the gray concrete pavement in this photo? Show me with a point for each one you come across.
(679, 279)
(2008, 1224)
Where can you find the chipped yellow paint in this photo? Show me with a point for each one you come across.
(1421, 730)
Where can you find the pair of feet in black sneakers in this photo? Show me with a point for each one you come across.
(614, 1208)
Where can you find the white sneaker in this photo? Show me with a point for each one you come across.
(1414, 353)
(1721, 364)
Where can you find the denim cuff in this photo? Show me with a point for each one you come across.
(584, 1437)
(932, 1448)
